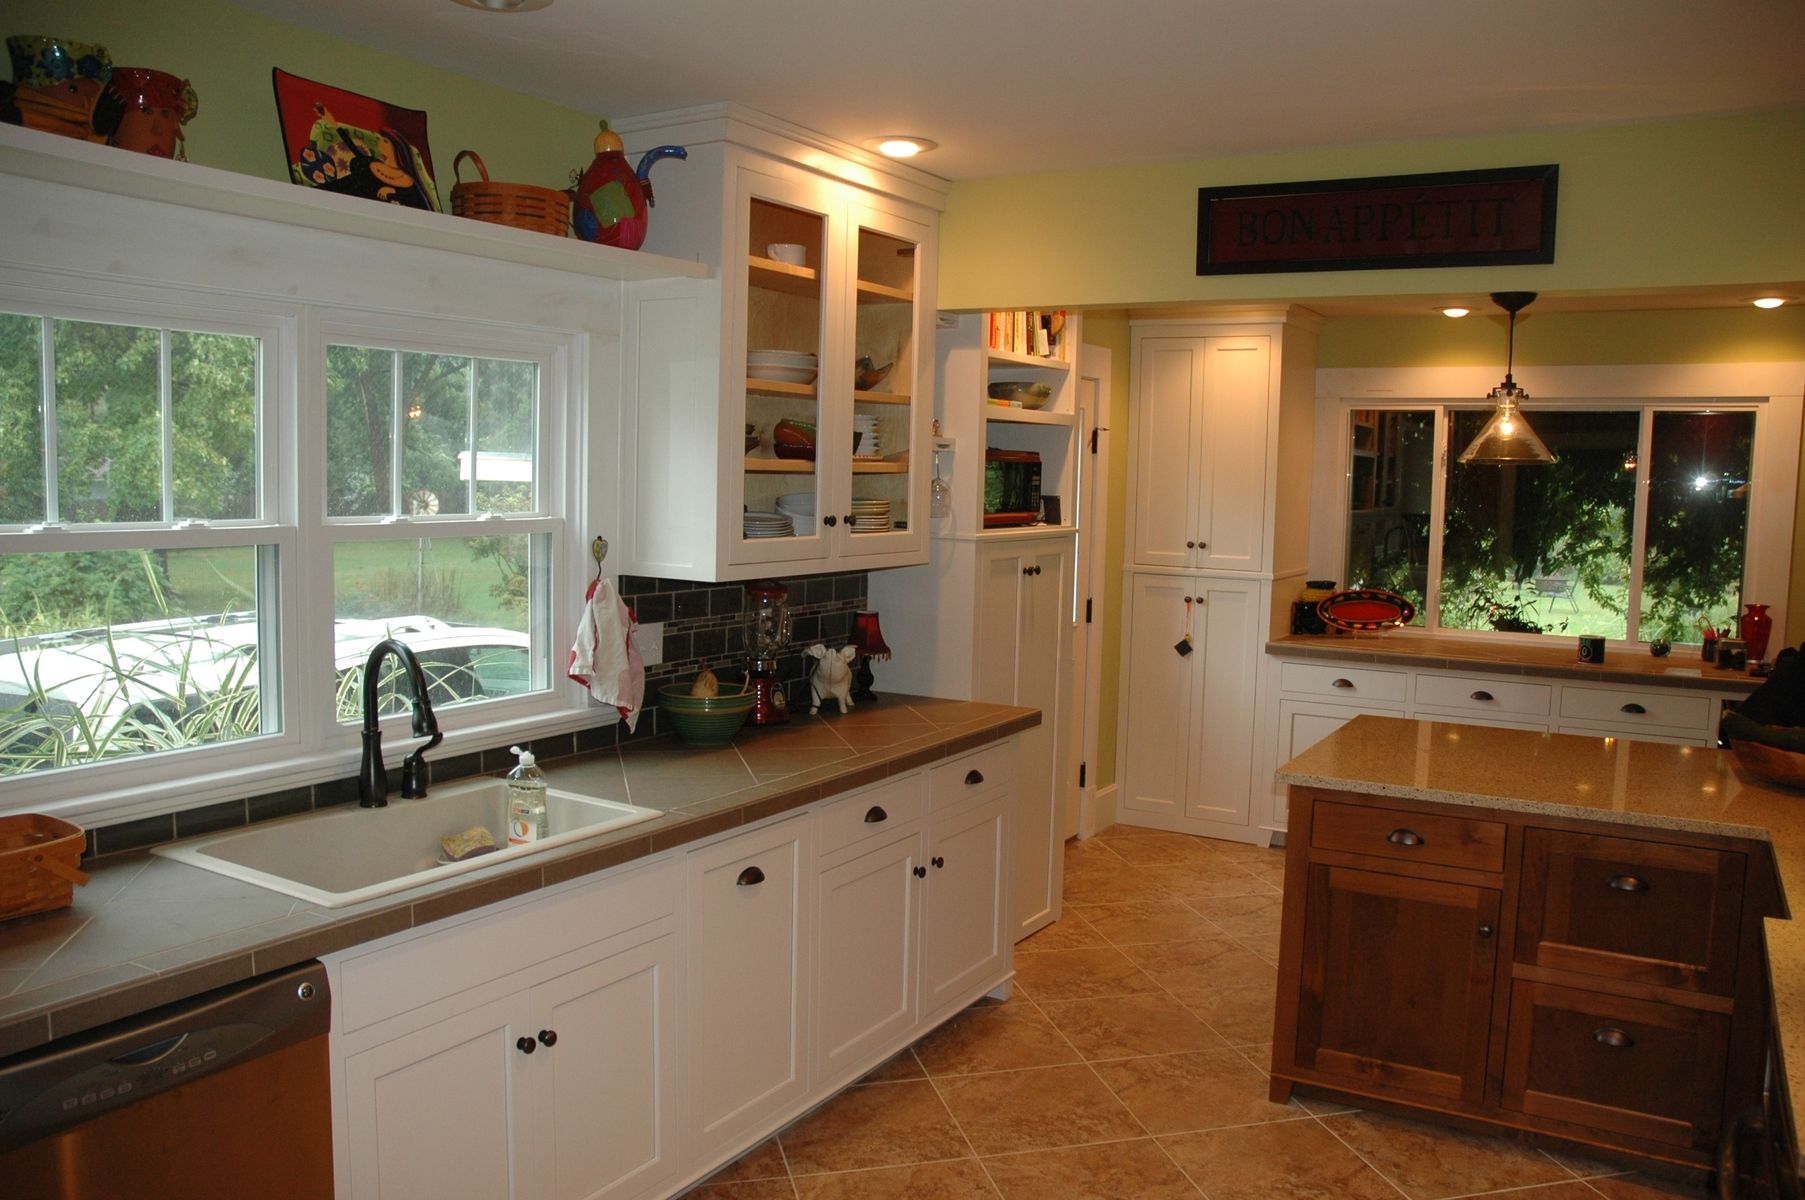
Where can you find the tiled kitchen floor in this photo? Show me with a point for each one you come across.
(1130, 1065)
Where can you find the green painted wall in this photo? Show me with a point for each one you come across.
(227, 54)
(1656, 205)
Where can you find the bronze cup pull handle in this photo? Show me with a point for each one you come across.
(750, 876)
(974, 777)
(1404, 837)
(875, 814)
(1627, 883)
(1481, 695)
(1616, 1039)
(1341, 683)
(1633, 708)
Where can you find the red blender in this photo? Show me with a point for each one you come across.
(767, 633)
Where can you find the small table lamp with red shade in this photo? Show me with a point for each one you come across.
(869, 640)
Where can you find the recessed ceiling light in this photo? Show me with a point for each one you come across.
(505, 6)
(896, 145)
(1454, 311)
(1770, 302)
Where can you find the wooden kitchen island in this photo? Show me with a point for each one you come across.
(1576, 937)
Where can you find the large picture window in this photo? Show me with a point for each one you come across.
(1638, 532)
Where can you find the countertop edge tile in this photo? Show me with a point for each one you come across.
(1429, 652)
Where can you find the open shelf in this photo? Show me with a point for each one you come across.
(803, 466)
(1012, 359)
(880, 398)
(776, 276)
(777, 387)
(878, 293)
(1027, 416)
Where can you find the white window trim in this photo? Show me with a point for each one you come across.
(313, 746)
(1774, 389)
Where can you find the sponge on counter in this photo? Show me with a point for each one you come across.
(468, 844)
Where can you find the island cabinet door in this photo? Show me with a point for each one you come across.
(1396, 983)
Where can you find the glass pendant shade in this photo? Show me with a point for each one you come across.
(1507, 440)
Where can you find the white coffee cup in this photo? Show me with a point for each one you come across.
(794, 253)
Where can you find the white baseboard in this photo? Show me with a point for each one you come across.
(1099, 812)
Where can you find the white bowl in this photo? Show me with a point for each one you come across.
(787, 358)
(781, 374)
(799, 501)
(794, 253)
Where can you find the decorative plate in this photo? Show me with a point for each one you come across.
(1362, 609)
(342, 141)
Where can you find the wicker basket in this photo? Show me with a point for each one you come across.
(39, 864)
(522, 205)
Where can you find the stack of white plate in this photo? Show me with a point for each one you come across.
(768, 525)
(867, 444)
(870, 516)
(785, 366)
(799, 507)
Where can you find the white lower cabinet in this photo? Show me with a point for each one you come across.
(748, 968)
(562, 1090)
(621, 1036)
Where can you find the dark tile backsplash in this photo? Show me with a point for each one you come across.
(703, 627)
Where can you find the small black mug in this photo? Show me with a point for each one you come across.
(1591, 649)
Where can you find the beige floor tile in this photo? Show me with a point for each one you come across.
(997, 1038)
(962, 1179)
(763, 1161)
(1135, 831)
(1239, 1008)
(1156, 846)
(1645, 1187)
(897, 1067)
(1110, 885)
(1182, 1093)
(876, 1125)
(1214, 951)
(1431, 1162)
(1281, 1160)
(1080, 974)
(747, 1189)
(1126, 1026)
(1145, 921)
(1094, 851)
(1266, 945)
(1243, 852)
(1036, 1110)
(1585, 1166)
(1210, 877)
(1242, 916)
(1070, 932)
(1112, 1171)
(1573, 1189)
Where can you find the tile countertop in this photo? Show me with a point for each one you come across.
(1650, 784)
(1398, 647)
(148, 930)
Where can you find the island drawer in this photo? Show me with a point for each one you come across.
(870, 811)
(970, 774)
(1634, 1067)
(1622, 908)
(1480, 694)
(1443, 840)
(1629, 708)
(1343, 683)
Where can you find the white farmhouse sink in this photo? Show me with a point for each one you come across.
(351, 854)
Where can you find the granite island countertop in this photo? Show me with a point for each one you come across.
(149, 931)
(1649, 784)
(1558, 660)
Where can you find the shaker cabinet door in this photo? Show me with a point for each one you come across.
(1169, 375)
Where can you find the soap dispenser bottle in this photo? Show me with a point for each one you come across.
(526, 800)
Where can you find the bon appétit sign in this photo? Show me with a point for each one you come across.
(1445, 219)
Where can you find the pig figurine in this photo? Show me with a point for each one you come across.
(832, 678)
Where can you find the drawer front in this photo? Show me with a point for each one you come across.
(870, 812)
(381, 983)
(972, 774)
(1444, 841)
(1619, 908)
(1344, 684)
(1481, 696)
(1633, 1067)
(1627, 708)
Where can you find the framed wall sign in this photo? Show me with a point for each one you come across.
(1443, 219)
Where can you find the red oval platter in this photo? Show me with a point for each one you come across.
(1363, 609)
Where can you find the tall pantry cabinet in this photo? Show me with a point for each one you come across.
(1218, 523)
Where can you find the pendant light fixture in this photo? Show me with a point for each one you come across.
(1507, 440)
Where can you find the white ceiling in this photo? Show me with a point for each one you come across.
(1033, 85)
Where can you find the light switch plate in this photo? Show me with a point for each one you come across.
(650, 640)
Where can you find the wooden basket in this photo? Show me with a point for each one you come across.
(39, 864)
(522, 205)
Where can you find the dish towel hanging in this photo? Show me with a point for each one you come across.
(604, 658)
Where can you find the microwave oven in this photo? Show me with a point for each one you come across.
(1011, 487)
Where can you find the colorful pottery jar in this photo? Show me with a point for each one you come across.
(59, 86)
(157, 105)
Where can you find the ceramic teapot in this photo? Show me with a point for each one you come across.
(609, 201)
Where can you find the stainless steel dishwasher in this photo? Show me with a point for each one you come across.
(220, 1097)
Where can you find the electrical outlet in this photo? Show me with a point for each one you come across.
(650, 640)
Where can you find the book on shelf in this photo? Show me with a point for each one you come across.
(1031, 332)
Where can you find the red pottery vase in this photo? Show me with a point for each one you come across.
(1757, 626)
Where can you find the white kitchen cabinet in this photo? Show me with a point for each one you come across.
(1205, 405)
(562, 1090)
(867, 942)
(747, 994)
(864, 289)
(1024, 640)
(966, 910)
(1187, 752)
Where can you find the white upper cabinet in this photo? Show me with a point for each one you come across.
(776, 417)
